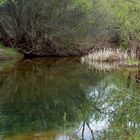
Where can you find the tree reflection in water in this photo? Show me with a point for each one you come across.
(61, 99)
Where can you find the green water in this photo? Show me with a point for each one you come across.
(61, 99)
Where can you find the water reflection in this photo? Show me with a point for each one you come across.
(59, 99)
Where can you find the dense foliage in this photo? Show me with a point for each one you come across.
(32, 22)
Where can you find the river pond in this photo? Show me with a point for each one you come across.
(62, 99)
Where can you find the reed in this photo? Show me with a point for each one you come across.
(109, 59)
(106, 55)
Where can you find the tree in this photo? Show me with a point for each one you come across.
(34, 22)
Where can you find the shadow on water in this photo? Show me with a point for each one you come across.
(60, 99)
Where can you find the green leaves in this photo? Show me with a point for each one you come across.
(84, 4)
(2, 1)
(73, 19)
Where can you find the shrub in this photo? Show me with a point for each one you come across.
(32, 23)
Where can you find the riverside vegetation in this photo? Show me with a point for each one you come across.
(60, 98)
(69, 27)
(9, 53)
(109, 59)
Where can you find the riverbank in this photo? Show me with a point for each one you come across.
(67, 51)
(9, 53)
(49, 48)
(107, 59)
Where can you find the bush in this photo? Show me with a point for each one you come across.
(33, 22)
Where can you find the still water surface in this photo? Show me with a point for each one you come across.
(61, 99)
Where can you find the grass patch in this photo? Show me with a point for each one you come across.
(132, 62)
(6, 53)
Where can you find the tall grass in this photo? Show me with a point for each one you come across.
(109, 59)
(106, 55)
